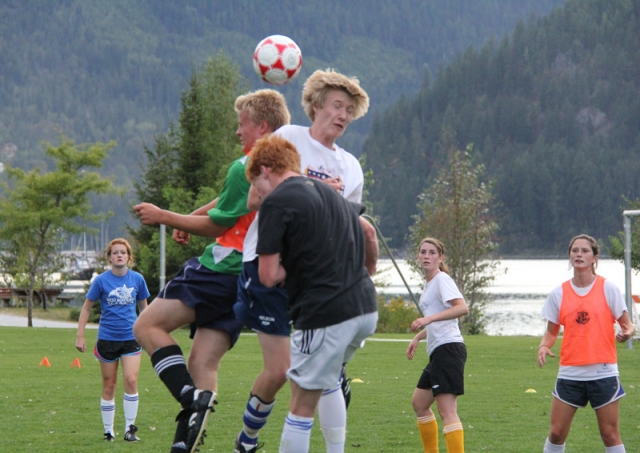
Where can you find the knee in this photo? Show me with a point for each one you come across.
(557, 437)
(139, 328)
(610, 436)
(108, 388)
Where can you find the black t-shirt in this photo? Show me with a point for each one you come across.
(321, 245)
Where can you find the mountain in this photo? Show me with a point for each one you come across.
(552, 111)
(100, 71)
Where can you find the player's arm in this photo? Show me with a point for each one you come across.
(270, 270)
(413, 345)
(371, 248)
(627, 328)
(200, 225)
(458, 308)
(548, 340)
(182, 237)
(81, 345)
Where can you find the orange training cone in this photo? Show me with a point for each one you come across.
(76, 362)
(45, 362)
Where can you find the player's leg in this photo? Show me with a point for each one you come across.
(422, 400)
(297, 427)
(453, 432)
(130, 371)
(209, 345)
(605, 395)
(561, 417)
(275, 355)
(263, 310)
(109, 371)
(348, 337)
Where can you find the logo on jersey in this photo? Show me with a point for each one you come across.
(322, 174)
(121, 296)
(583, 317)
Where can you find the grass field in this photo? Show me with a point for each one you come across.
(56, 409)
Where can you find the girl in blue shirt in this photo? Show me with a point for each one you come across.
(118, 290)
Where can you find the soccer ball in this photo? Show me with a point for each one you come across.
(277, 59)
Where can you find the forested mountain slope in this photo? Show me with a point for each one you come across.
(553, 111)
(114, 70)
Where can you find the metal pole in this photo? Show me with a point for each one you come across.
(386, 247)
(627, 266)
(163, 276)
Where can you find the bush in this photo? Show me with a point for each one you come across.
(395, 315)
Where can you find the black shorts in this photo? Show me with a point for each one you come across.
(211, 294)
(445, 371)
(260, 308)
(110, 351)
(599, 392)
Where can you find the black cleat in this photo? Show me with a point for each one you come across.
(199, 411)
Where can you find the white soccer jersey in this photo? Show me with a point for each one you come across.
(317, 162)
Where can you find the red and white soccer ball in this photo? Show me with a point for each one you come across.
(277, 59)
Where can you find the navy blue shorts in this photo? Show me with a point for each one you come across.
(599, 392)
(260, 308)
(445, 371)
(211, 294)
(110, 351)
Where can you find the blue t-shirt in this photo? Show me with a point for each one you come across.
(118, 297)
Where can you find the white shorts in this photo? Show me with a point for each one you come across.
(317, 355)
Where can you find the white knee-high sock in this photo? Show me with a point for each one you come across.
(615, 449)
(130, 404)
(332, 413)
(296, 434)
(552, 448)
(108, 409)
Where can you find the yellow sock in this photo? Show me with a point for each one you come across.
(428, 427)
(454, 438)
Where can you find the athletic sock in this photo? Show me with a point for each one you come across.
(454, 438)
(615, 449)
(428, 427)
(108, 409)
(130, 405)
(296, 434)
(332, 413)
(552, 448)
(255, 417)
(171, 368)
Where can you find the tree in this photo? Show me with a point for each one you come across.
(457, 209)
(186, 168)
(38, 210)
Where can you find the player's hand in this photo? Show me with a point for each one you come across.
(419, 324)
(336, 183)
(181, 237)
(411, 349)
(81, 344)
(626, 332)
(148, 213)
(543, 352)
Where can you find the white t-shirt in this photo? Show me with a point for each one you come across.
(551, 312)
(317, 162)
(435, 298)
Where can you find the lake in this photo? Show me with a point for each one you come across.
(519, 290)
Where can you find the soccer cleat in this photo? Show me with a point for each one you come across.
(200, 409)
(108, 437)
(242, 447)
(180, 439)
(130, 435)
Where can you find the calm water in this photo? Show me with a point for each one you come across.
(520, 288)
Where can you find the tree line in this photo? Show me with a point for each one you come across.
(552, 111)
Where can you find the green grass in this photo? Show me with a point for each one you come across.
(56, 409)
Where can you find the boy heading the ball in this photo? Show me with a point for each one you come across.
(205, 289)
(311, 241)
(331, 100)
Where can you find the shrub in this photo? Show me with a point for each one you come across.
(395, 315)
